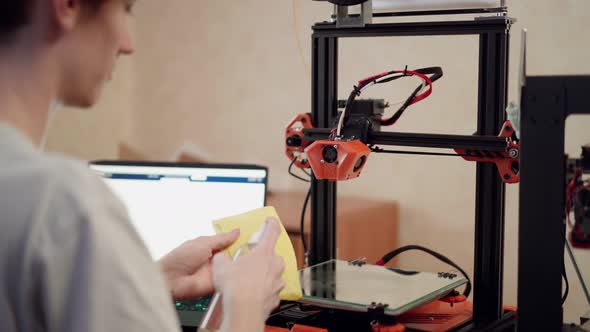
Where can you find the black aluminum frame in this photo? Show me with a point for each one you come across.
(546, 103)
(466, 142)
(489, 221)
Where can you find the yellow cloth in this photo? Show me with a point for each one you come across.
(250, 223)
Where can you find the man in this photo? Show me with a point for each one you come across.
(69, 259)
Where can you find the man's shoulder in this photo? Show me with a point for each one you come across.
(70, 175)
(77, 183)
(45, 199)
(56, 179)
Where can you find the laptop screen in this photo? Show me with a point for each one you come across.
(171, 203)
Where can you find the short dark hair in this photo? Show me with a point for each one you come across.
(15, 14)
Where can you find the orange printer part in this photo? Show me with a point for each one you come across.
(507, 162)
(337, 160)
(295, 328)
(295, 145)
(388, 328)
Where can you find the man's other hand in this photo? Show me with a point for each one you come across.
(250, 285)
(188, 268)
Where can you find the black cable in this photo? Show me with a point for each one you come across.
(389, 79)
(306, 172)
(295, 175)
(304, 209)
(377, 149)
(577, 270)
(386, 258)
(564, 274)
(436, 73)
(356, 91)
(393, 119)
(302, 226)
(567, 286)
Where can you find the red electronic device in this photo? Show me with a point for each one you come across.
(344, 150)
(337, 160)
(577, 199)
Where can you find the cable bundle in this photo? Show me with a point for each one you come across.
(420, 93)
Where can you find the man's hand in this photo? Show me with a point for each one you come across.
(188, 268)
(250, 286)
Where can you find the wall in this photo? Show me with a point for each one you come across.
(227, 76)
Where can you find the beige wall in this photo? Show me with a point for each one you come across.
(227, 77)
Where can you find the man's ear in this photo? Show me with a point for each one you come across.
(65, 13)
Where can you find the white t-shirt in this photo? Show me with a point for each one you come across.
(70, 260)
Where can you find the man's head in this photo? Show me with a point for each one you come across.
(79, 39)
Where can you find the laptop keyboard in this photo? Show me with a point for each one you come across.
(201, 304)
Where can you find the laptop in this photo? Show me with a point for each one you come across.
(170, 203)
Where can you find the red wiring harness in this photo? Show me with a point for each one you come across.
(571, 190)
(420, 93)
(574, 187)
(416, 98)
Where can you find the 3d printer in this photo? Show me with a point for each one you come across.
(336, 146)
